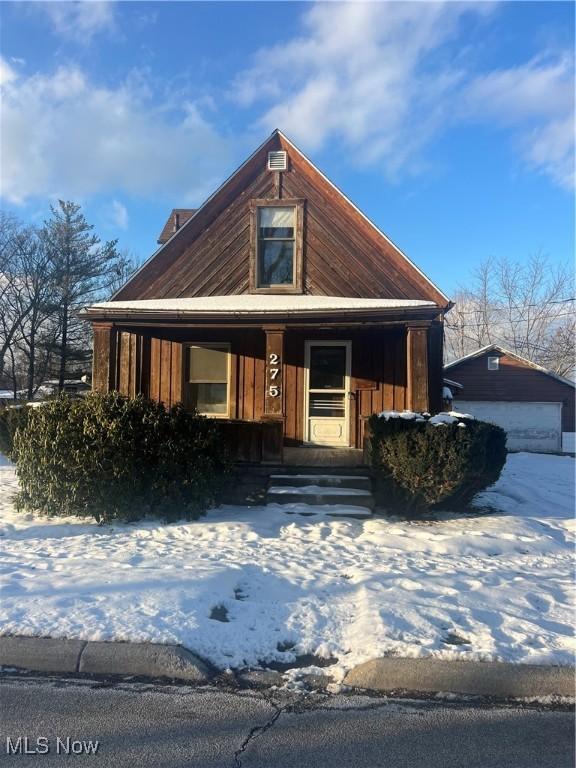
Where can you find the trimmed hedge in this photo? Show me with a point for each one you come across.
(423, 465)
(112, 457)
(11, 419)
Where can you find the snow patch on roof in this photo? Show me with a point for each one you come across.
(256, 304)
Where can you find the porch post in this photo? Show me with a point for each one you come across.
(274, 393)
(273, 430)
(104, 358)
(417, 397)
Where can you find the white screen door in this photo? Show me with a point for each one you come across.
(326, 406)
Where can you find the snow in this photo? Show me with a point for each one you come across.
(494, 585)
(408, 415)
(244, 304)
(446, 417)
(331, 490)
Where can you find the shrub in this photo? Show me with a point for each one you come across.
(440, 462)
(112, 457)
(11, 419)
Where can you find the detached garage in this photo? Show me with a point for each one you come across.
(533, 405)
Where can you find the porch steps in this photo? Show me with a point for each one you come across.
(341, 492)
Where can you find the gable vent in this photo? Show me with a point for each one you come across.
(277, 161)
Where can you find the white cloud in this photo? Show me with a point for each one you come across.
(61, 134)
(363, 74)
(79, 20)
(536, 100)
(7, 74)
(118, 215)
(378, 81)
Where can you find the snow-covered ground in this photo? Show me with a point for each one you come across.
(493, 586)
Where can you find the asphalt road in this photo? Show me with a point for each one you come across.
(169, 727)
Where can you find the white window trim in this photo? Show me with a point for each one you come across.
(493, 363)
(211, 345)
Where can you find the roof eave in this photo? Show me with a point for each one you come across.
(95, 314)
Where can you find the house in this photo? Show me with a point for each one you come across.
(533, 405)
(278, 307)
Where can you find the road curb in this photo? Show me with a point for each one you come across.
(154, 660)
(481, 678)
(38, 654)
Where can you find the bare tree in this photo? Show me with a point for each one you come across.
(125, 267)
(527, 308)
(18, 244)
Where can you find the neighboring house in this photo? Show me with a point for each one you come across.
(6, 397)
(71, 387)
(533, 405)
(277, 302)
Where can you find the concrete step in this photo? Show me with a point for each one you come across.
(320, 495)
(362, 482)
(327, 510)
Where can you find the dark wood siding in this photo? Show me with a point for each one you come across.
(343, 255)
(151, 363)
(514, 381)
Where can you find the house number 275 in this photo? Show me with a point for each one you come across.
(274, 389)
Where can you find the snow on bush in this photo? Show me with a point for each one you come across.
(443, 460)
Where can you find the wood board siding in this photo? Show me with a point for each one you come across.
(151, 363)
(343, 255)
(514, 381)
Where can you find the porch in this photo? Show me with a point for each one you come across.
(292, 379)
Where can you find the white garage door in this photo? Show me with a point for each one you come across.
(529, 426)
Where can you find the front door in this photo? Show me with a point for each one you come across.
(327, 384)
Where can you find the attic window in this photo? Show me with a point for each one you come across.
(276, 245)
(277, 161)
(276, 230)
(493, 363)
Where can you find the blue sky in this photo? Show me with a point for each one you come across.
(450, 124)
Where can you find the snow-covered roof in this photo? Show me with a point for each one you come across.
(503, 351)
(452, 383)
(254, 304)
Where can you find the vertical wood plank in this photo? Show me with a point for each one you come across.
(124, 381)
(388, 373)
(417, 368)
(248, 386)
(400, 372)
(156, 369)
(176, 373)
(104, 358)
(233, 387)
(165, 371)
(145, 367)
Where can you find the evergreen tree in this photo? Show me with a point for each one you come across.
(83, 270)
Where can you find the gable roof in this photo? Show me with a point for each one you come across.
(233, 184)
(497, 348)
(177, 219)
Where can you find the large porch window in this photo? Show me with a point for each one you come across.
(207, 378)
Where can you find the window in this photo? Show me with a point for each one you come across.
(207, 379)
(276, 259)
(276, 246)
(493, 363)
